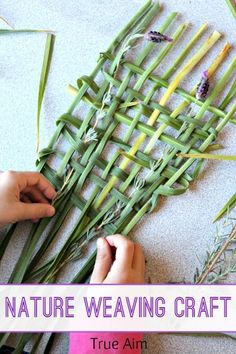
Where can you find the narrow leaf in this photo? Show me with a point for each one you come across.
(214, 147)
(43, 79)
(229, 205)
(18, 31)
(232, 7)
(134, 159)
(209, 156)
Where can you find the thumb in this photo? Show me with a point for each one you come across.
(103, 261)
(25, 211)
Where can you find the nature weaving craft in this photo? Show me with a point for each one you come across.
(120, 143)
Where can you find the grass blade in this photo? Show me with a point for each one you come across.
(43, 80)
(209, 156)
(232, 7)
(134, 159)
(229, 205)
(18, 31)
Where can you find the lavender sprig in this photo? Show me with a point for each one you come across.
(157, 37)
(203, 87)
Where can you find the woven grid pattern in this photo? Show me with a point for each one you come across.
(128, 182)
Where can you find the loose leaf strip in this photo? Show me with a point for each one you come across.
(209, 156)
(19, 31)
(43, 80)
(227, 207)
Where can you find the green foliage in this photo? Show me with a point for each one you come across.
(43, 79)
(220, 261)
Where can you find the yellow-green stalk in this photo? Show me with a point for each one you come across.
(212, 69)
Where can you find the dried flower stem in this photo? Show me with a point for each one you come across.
(62, 190)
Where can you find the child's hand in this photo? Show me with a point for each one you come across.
(23, 196)
(128, 267)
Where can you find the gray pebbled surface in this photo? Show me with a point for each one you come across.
(182, 226)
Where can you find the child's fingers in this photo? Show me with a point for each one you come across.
(36, 196)
(35, 179)
(24, 211)
(124, 250)
(103, 261)
(35, 220)
(138, 259)
(25, 199)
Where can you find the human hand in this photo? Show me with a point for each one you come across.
(128, 267)
(23, 196)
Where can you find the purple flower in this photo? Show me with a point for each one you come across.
(157, 37)
(203, 86)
